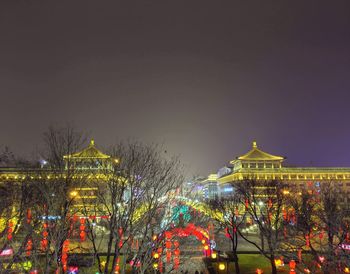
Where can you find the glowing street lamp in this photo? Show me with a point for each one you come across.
(222, 266)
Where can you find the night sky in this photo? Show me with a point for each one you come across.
(205, 78)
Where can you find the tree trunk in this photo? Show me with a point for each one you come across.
(273, 265)
(234, 241)
(237, 265)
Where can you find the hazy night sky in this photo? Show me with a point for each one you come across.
(203, 77)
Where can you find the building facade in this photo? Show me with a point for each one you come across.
(259, 165)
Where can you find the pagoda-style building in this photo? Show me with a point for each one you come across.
(89, 159)
(83, 167)
(259, 165)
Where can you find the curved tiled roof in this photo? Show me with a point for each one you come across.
(258, 155)
(91, 152)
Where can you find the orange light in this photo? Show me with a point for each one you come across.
(259, 271)
(347, 270)
(279, 262)
(156, 256)
(206, 247)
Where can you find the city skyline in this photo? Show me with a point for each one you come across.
(205, 80)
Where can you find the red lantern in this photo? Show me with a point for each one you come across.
(307, 240)
(168, 244)
(168, 235)
(176, 244)
(246, 204)
(168, 256)
(82, 233)
(10, 230)
(270, 203)
(160, 266)
(284, 213)
(29, 215)
(321, 235)
(227, 234)
(29, 247)
(176, 263)
(292, 265)
(64, 257)
(177, 252)
(299, 254)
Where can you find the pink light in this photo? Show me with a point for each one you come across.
(7, 252)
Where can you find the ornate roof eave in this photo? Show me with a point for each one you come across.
(255, 154)
(91, 152)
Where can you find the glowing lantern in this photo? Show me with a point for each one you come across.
(29, 247)
(279, 262)
(222, 266)
(259, 271)
(82, 233)
(213, 255)
(160, 266)
(168, 256)
(292, 264)
(176, 263)
(299, 254)
(176, 244)
(321, 235)
(269, 203)
(29, 215)
(10, 230)
(307, 240)
(168, 244)
(64, 257)
(156, 255)
(284, 214)
(246, 204)
(177, 252)
(227, 234)
(347, 270)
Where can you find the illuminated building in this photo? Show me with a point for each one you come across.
(83, 167)
(259, 165)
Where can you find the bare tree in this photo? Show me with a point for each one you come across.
(231, 219)
(133, 196)
(264, 202)
(322, 227)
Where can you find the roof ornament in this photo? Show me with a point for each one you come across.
(92, 142)
(254, 144)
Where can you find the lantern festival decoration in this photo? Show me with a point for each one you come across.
(45, 234)
(117, 266)
(82, 233)
(64, 258)
(292, 266)
(29, 247)
(9, 230)
(29, 216)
